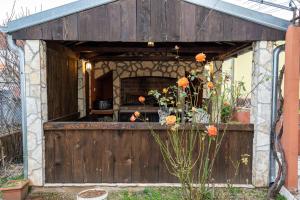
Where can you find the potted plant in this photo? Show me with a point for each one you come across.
(15, 189)
(241, 115)
(236, 109)
(93, 194)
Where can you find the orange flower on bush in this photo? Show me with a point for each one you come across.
(137, 114)
(132, 118)
(170, 120)
(210, 85)
(200, 57)
(142, 99)
(226, 103)
(212, 131)
(183, 82)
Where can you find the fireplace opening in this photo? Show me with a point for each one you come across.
(132, 88)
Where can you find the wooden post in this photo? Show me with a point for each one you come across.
(291, 106)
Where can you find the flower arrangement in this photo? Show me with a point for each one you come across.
(191, 148)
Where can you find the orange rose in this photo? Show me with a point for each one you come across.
(212, 131)
(210, 85)
(137, 114)
(170, 120)
(183, 82)
(132, 118)
(200, 57)
(142, 99)
(226, 103)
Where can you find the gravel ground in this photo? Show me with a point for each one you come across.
(69, 193)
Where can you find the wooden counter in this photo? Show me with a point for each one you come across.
(131, 126)
(117, 152)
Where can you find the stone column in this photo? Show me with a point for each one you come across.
(216, 117)
(261, 110)
(36, 106)
(81, 88)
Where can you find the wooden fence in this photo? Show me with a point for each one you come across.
(11, 147)
(86, 152)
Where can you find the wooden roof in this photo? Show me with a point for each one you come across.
(150, 20)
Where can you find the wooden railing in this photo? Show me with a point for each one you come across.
(89, 152)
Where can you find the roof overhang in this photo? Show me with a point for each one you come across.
(81, 5)
(53, 14)
(244, 13)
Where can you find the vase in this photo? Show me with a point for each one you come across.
(15, 190)
(92, 194)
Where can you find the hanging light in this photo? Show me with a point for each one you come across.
(150, 44)
(88, 67)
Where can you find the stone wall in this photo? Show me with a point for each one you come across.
(261, 110)
(128, 69)
(36, 106)
(81, 88)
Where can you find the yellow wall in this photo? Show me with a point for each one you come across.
(243, 67)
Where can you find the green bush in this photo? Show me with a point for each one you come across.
(280, 197)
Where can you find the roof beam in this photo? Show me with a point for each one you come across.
(235, 51)
(150, 50)
(145, 58)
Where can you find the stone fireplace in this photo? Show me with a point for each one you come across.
(133, 87)
(135, 78)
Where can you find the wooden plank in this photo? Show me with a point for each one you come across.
(122, 156)
(56, 28)
(68, 166)
(59, 152)
(107, 165)
(188, 22)
(227, 28)
(128, 20)
(130, 155)
(91, 164)
(145, 152)
(49, 157)
(213, 25)
(85, 26)
(92, 24)
(143, 18)
(61, 82)
(173, 19)
(239, 30)
(202, 15)
(158, 26)
(77, 145)
(94, 173)
(114, 17)
(222, 162)
(164, 174)
(243, 128)
(70, 28)
(100, 24)
(11, 145)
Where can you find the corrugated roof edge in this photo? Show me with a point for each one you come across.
(244, 13)
(53, 14)
(71, 8)
(3, 29)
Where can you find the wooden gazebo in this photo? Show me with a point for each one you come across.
(114, 36)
